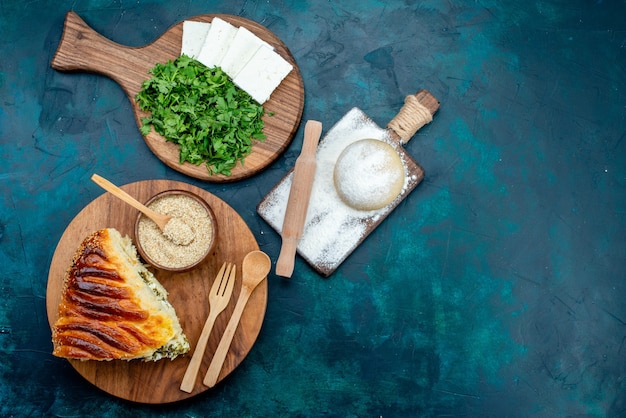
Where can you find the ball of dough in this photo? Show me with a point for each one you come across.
(369, 174)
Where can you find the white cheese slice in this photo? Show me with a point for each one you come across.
(216, 42)
(263, 73)
(242, 48)
(194, 34)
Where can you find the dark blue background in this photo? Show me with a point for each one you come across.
(497, 288)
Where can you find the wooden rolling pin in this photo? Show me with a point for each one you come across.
(298, 202)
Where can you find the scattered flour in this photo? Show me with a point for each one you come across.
(332, 229)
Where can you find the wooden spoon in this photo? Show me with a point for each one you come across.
(256, 266)
(158, 218)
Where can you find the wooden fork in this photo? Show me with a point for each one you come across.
(219, 297)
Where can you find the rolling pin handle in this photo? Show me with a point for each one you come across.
(286, 258)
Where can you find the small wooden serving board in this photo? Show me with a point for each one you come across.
(159, 382)
(333, 230)
(83, 49)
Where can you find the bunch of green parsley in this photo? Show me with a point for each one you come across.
(203, 111)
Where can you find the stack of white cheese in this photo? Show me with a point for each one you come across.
(250, 62)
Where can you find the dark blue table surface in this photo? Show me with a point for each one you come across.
(497, 288)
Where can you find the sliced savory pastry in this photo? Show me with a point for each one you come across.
(112, 307)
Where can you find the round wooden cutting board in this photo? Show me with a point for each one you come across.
(159, 382)
(83, 49)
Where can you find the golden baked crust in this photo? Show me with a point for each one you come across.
(112, 307)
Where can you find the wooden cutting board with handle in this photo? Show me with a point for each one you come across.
(159, 382)
(83, 49)
(333, 230)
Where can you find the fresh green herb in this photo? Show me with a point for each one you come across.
(203, 111)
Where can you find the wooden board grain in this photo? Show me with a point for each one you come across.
(336, 237)
(83, 49)
(159, 382)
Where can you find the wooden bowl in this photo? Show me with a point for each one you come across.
(209, 248)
